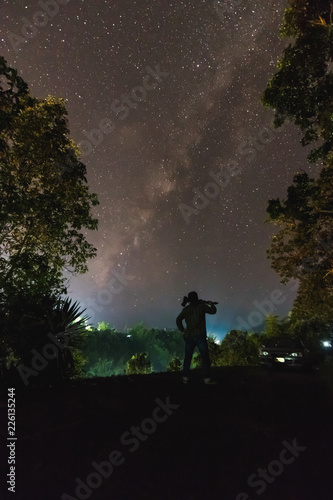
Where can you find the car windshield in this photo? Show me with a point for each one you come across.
(285, 343)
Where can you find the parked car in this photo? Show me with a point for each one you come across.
(285, 351)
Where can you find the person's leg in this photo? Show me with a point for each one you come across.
(203, 349)
(189, 348)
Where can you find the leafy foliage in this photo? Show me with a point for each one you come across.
(314, 303)
(102, 345)
(302, 88)
(66, 318)
(302, 91)
(174, 365)
(103, 325)
(45, 202)
(139, 364)
(303, 248)
(310, 330)
(80, 362)
(237, 348)
(240, 348)
(108, 351)
(277, 327)
(102, 368)
(304, 244)
(64, 321)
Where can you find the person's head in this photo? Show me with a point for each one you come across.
(192, 298)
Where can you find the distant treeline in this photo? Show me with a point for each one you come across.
(110, 352)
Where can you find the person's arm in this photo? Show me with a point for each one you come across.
(179, 322)
(210, 308)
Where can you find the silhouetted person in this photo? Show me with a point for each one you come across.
(195, 334)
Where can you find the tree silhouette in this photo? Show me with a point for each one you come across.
(45, 200)
(302, 88)
(302, 91)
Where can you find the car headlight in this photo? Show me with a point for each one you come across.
(296, 354)
(264, 353)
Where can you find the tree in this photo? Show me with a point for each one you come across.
(272, 326)
(303, 248)
(109, 344)
(302, 88)
(311, 330)
(240, 348)
(160, 345)
(103, 325)
(304, 244)
(107, 351)
(45, 202)
(313, 304)
(302, 91)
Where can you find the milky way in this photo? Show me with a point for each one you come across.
(164, 99)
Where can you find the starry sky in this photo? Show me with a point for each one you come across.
(164, 99)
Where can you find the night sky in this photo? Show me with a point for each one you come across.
(164, 97)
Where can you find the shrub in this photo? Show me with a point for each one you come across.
(174, 365)
(139, 364)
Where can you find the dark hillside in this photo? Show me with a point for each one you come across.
(209, 447)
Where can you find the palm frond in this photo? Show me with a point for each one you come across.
(67, 319)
